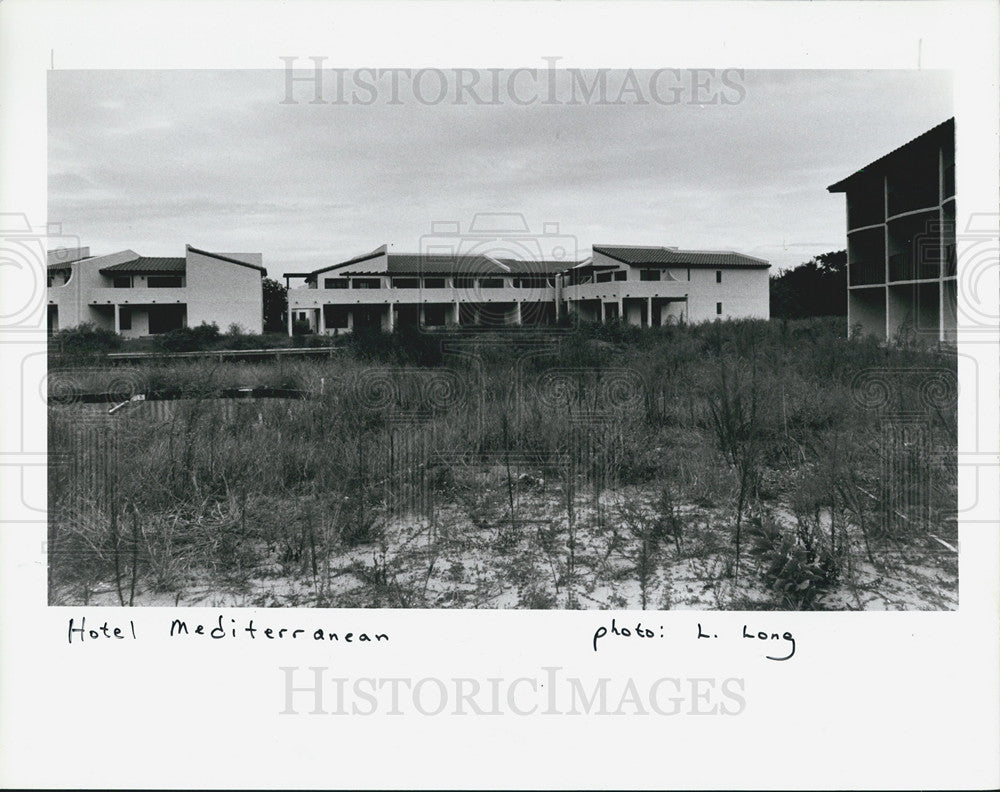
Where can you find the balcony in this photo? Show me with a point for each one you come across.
(313, 298)
(138, 296)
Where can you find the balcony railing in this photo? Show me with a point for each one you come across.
(867, 272)
(905, 266)
(109, 295)
(313, 298)
(617, 290)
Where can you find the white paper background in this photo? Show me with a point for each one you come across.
(898, 700)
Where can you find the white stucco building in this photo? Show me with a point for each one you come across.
(141, 295)
(644, 286)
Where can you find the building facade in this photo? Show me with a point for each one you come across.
(901, 240)
(644, 286)
(140, 295)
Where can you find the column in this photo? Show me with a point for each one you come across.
(391, 308)
(288, 310)
(457, 314)
(517, 313)
(118, 319)
(603, 311)
(649, 312)
(621, 310)
(322, 321)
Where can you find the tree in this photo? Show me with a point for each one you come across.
(275, 305)
(817, 287)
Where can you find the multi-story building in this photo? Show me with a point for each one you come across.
(641, 285)
(901, 240)
(653, 285)
(140, 295)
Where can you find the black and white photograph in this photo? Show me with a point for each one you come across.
(500, 395)
(503, 339)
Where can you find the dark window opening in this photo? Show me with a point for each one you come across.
(334, 316)
(366, 283)
(718, 276)
(435, 315)
(433, 283)
(604, 277)
(491, 283)
(334, 283)
(124, 319)
(718, 309)
(621, 275)
(406, 283)
(163, 281)
(649, 275)
(164, 318)
(123, 281)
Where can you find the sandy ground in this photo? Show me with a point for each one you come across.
(532, 561)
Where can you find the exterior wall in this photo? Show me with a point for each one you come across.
(744, 294)
(225, 293)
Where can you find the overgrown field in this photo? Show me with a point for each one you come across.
(747, 465)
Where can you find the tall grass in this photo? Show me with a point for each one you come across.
(740, 416)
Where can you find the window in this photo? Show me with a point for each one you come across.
(163, 281)
(124, 318)
(334, 283)
(366, 283)
(621, 275)
(718, 276)
(464, 282)
(433, 283)
(604, 277)
(406, 283)
(531, 282)
(649, 275)
(718, 309)
(123, 281)
(491, 283)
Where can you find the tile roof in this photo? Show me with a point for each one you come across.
(107, 260)
(446, 264)
(146, 264)
(674, 257)
(533, 267)
(944, 130)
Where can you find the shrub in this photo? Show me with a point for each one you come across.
(798, 564)
(85, 339)
(189, 339)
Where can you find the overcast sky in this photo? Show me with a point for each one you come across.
(153, 160)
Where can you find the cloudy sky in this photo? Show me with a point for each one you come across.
(153, 160)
